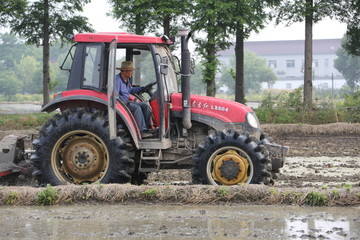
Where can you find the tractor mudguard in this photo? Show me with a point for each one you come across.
(89, 98)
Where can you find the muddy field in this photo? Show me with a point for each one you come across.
(320, 155)
(323, 160)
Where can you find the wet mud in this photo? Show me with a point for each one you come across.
(179, 222)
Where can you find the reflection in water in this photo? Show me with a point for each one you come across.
(179, 222)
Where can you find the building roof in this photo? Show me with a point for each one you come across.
(289, 47)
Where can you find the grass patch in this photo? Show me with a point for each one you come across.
(23, 121)
(316, 199)
(223, 192)
(11, 198)
(150, 193)
(48, 196)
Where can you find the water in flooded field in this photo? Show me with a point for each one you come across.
(13, 108)
(179, 222)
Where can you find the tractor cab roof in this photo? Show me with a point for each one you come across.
(121, 37)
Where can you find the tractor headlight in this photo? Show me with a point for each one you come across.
(252, 120)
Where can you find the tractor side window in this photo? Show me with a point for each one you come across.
(143, 61)
(92, 66)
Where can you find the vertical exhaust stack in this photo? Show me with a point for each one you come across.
(185, 76)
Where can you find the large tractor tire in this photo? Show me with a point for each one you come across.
(231, 157)
(75, 147)
(137, 178)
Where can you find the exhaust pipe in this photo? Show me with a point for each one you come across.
(185, 77)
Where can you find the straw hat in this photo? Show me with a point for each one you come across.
(127, 66)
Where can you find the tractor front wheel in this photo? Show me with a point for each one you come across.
(230, 157)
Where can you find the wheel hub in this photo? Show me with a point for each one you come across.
(83, 159)
(230, 168)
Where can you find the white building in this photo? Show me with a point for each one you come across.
(286, 58)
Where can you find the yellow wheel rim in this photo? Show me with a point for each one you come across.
(229, 166)
(79, 156)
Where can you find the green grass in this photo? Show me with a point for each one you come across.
(316, 199)
(150, 193)
(23, 121)
(48, 196)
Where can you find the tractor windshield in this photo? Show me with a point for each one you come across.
(170, 81)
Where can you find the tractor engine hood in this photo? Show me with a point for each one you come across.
(225, 111)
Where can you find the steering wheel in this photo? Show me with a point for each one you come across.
(148, 88)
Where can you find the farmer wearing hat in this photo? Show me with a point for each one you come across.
(140, 110)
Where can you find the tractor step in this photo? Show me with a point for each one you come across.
(150, 160)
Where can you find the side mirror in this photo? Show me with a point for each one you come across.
(164, 65)
(192, 66)
(177, 64)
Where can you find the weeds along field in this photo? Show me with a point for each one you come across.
(191, 194)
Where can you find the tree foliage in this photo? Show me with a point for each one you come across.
(350, 14)
(134, 15)
(143, 16)
(352, 43)
(11, 10)
(348, 66)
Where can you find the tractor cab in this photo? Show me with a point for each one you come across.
(93, 71)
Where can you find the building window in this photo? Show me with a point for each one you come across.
(290, 63)
(288, 85)
(326, 62)
(273, 64)
(316, 63)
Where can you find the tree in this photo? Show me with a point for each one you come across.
(349, 13)
(47, 21)
(141, 16)
(256, 72)
(209, 19)
(352, 43)
(348, 66)
(310, 11)
(10, 10)
(197, 84)
(165, 14)
(9, 84)
(13, 49)
(26, 72)
(135, 15)
(246, 16)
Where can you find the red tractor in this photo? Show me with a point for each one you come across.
(95, 138)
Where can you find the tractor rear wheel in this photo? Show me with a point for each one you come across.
(231, 157)
(75, 147)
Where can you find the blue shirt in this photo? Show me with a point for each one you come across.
(124, 88)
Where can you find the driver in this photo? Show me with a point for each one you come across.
(140, 110)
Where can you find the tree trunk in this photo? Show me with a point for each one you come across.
(209, 73)
(239, 62)
(46, 55)
(166, 25)
(308, 56)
